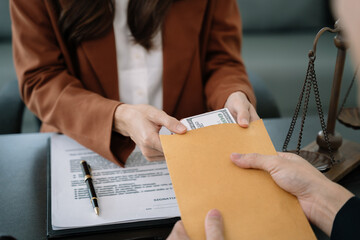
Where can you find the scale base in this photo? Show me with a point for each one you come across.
(347, 158)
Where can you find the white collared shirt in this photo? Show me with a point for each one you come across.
(139, 70)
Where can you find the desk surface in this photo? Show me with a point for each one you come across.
(23, 180)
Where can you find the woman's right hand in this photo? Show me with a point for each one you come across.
(142, 124)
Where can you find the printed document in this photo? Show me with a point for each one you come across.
(141, 191)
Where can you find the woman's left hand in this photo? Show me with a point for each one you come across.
(242, 110)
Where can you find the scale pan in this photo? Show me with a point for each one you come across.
(350, 117)
(320, 161)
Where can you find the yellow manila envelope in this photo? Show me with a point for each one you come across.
(203, 177)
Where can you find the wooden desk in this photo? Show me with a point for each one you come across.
(23, 181)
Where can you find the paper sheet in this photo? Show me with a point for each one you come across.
(204, 177)
(141, 191)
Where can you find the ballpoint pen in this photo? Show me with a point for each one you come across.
(87, 178)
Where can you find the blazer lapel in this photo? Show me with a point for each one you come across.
(101, 54)
(180, 36)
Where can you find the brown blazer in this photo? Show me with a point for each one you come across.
(76, 93)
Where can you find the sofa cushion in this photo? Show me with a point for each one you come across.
(5, 23)
(278, 15)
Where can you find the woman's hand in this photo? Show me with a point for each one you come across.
(319, 197)
(240, 107)
(142, 124)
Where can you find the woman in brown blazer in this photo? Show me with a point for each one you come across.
(65, 54)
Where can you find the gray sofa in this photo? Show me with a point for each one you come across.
(11, 106)
(7, 71)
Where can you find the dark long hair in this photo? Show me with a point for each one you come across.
(81, 20)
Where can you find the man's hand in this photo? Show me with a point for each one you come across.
(214, 228)
(319, 197)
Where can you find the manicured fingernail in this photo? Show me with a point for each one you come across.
(181, 128)
(214, 213)
(244, 121)
(236, 155)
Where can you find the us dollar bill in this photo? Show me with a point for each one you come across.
(207, 119)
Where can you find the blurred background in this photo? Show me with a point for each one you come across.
(277, 36)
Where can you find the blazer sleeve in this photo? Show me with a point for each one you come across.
(49, 89)
(224, 68)
(347, 221)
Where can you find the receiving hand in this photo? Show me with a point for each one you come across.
(319, 197)
(214, 228)
(240, 107)
(142, 124)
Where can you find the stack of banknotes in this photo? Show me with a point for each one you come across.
(207, 119)
(203, 120)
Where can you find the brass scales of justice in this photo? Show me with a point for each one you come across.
(330, 153)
